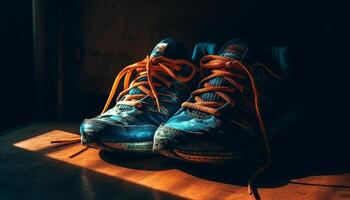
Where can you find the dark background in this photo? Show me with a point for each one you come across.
(16, 63)
(65, 69)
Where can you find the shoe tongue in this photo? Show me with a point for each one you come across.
(235, 49)
(168, 48)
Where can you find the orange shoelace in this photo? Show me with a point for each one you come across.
(224, 67)
(150, 67)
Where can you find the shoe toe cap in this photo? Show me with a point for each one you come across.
(168, 138)
(89, 131)
(94, 131)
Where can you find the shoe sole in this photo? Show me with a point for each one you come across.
(252, 154)
(213, 157)
(135, 147)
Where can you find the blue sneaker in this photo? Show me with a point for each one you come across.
(154, 89)
(239, 104)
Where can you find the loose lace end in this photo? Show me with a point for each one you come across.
(74, 140)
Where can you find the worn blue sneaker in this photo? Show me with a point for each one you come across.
(244, 99)
(154, 89)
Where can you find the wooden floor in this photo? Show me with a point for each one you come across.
(32, 168)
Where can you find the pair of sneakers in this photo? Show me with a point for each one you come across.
(219, 106)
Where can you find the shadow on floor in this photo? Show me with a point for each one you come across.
(289, 163)
(31, 173)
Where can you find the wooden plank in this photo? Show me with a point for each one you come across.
(164, 175)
